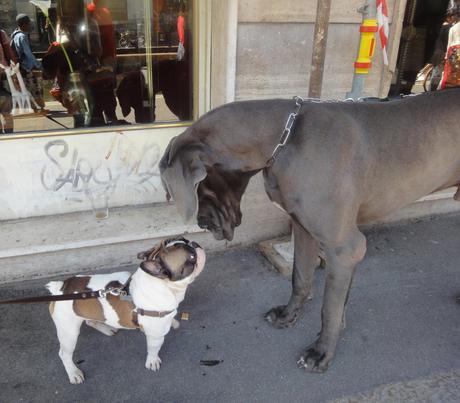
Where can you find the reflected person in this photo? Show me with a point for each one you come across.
(29, 65)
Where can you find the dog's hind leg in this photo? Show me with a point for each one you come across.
(342, 257)
(305, 262)
(68, 328)
(102, 327)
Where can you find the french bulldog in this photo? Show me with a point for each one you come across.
(146, 300)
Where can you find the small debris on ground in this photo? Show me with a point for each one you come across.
(185, 316)
(210, 363)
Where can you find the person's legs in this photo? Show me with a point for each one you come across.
(8, 123)
(6, 105)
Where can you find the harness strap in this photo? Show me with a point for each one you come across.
(144, 312)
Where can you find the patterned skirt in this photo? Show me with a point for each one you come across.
(451, 74)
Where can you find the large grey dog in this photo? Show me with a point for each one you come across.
(346, 164)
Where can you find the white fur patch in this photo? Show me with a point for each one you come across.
(54, 287)
(99, 282)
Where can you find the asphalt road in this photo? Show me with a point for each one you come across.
(402, 341)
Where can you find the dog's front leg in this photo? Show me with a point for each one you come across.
(68, 330)
(305, 262)
(341, 259)
(154, 343)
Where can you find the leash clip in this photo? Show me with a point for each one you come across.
(117, 292)
(102, 293)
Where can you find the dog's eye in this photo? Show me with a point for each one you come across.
(164, 267)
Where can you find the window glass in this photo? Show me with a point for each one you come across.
(93, 63)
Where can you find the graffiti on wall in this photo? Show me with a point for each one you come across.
(122, 168)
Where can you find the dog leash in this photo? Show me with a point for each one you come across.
(121, 292)
(116, 291)
(288, 128)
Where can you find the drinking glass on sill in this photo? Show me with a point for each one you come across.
(100, 205)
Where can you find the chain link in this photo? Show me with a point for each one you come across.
(115, 291)
(287, 130)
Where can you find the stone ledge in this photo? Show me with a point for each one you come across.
(78, 242)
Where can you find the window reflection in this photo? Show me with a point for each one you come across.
(98, 63)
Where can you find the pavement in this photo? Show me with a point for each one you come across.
(402, 342)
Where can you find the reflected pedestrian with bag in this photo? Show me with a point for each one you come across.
(31, 68)
(6, 102)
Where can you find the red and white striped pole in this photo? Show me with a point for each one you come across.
(384, 28)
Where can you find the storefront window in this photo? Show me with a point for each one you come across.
(93, 63)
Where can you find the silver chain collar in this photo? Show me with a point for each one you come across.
(299, 101)
(287, 130)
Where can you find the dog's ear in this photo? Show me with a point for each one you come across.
(146, 254)
(155, 269)
(181, 172)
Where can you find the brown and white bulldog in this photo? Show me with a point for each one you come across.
(154, 292)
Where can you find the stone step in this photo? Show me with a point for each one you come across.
(78, 242)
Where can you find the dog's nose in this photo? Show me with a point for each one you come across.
(194, 245)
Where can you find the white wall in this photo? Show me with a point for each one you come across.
(55, 175)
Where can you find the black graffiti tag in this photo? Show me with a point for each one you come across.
(82, 175)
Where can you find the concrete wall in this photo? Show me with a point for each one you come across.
(275, 46)
(57, 175)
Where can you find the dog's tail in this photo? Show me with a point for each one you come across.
(55, 287)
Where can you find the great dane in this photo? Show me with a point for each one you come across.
(345, 164)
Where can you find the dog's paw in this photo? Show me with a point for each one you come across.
(76, 376)
(153, 363)
(315, 359)
(281, 318)
(175, 324)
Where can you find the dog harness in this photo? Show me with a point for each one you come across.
(121, 291)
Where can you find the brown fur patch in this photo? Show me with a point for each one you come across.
(175, 257)
(88, 309)
(124, 309)
(92, 308)
(76, 284)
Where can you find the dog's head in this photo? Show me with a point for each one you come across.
(201, 188)
(173, 259)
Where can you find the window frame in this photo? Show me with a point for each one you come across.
(201, 85)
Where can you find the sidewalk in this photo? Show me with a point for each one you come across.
(402, 341)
